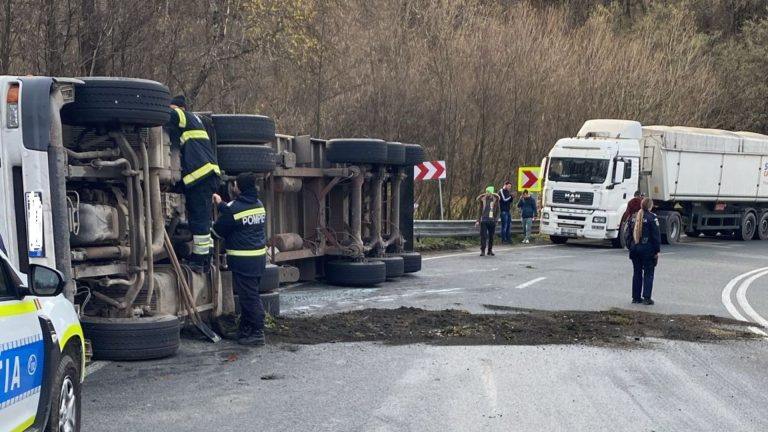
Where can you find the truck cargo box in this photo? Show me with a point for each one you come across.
(692, 164)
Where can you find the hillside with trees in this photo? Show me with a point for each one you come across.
(487, 85)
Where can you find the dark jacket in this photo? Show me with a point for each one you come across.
(241, 225)
(650, 242)
(197, 159)
(505, 201)
(527, 207)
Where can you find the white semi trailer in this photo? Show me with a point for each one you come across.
(702, 181)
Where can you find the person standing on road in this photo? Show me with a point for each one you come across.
(200, 175)
(644, 247)
(632, 206)
(241, 225)
(505, 200)
(528, 213)
(487, 220)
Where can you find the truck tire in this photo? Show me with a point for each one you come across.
(411, 262)
(271, 303)
(395, 266)
(414, 154)
(270, 280)
(558, 239)
(132, 338)
(673, 225)
(748, 227)
(762, 226)
(118, 101)
(243, 129)
(353, 150)
(395, 153)
(240, 158)
(355, 274)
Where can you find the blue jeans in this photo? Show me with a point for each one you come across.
(527, 223)
(506, 225)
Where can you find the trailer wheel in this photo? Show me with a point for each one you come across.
(673, 227)
(395, 265)
(558, 239)
(762, 226)
(414, 154)
(351, 150)
(270, 280)
(355, 274)
(411, 262)
(243, 129)
(116, 101)
(239, 158)
(748, 227)
(395, 153)
(132, 338)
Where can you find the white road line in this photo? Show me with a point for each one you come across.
(95, 367)
(437, 291)
(726, 298)
(530, 282)
(710, 245)
(741, 297)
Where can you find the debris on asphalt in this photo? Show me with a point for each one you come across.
(507, 326)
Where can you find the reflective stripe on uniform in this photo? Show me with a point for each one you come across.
(194, 134)
(250, 212)
(247, 253)
(201, 244)
(201, 172)
(182, 117)
(17, 308)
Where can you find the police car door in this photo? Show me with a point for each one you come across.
(21, 356)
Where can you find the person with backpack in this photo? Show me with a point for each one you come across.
(644, 243)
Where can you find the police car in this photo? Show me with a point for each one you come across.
(41, 352)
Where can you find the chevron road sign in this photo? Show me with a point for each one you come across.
(429, 170)
(529, 178)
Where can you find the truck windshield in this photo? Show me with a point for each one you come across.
(578, 170)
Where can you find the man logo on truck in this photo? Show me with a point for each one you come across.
(573, 197)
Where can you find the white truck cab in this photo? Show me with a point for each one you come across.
(589, 180)
(41, 352)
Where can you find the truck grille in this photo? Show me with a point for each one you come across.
(566, 197)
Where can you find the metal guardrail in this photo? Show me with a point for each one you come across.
(461, 228)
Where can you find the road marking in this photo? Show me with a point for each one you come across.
(710, 245)
(441, 290)
(95, 367)
(741, 297)
(530, 282)
(725, 297)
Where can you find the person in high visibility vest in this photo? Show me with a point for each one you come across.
(201, 178)
(241, 224)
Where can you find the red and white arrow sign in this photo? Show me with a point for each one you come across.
(429, 170)
(530, 179)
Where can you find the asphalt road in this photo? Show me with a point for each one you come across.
(666, 386)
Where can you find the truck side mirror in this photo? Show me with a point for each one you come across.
(618, 172)
(44, 281)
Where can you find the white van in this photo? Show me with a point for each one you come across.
(42, 352)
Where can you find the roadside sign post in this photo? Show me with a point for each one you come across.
(432, 170)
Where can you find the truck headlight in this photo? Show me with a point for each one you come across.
(599, 219)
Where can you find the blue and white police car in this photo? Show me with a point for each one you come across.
(42, 352)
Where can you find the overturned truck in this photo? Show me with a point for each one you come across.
(90, 184)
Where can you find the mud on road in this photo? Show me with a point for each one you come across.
(504, 326)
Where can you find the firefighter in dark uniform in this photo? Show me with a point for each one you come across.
(241, 225)
(200, 175)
